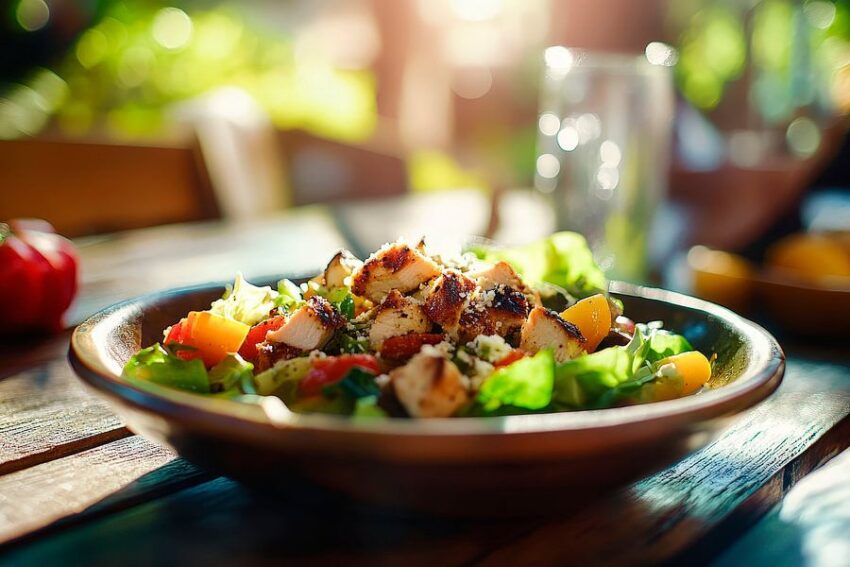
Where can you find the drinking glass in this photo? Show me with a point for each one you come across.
(604, 148)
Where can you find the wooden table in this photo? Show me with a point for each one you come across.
(76, 486)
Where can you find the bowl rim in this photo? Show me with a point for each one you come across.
(270, 417)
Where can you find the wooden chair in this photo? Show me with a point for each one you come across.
(84, 187)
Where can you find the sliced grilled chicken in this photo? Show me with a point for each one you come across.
(310, 327)
(447, 298)
(429, 385)
(394, 267)
(397, 315)
(342, 265)
(500, 311)
(544, 328)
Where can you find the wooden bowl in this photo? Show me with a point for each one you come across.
(464, 466)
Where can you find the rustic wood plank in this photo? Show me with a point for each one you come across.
(810, 527)
(46, 412)
(89, 484)
(221, 522)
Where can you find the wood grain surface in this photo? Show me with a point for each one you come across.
(89, 484)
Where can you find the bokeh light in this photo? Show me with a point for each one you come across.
(32, 15)
(172, 28)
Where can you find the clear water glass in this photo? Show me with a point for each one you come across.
(604, 149)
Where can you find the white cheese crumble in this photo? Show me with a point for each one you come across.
(492, 348)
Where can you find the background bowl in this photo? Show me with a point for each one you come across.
(465, 466)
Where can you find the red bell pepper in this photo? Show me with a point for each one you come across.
(38, 277)
(257, 334)
(332, 369)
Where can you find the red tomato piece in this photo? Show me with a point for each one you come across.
(178, 334)
(510, 358)
(257, 334)
(332, 369)
(405, 346)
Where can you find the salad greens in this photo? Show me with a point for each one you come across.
(229, 372)
(450, 338)
(156, 364)
(525, 384)
(562, 259)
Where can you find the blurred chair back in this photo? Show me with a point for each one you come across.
(86, 188)
(240, 152)
(324, 171)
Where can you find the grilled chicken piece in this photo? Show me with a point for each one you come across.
(395, 267)
(268, 354)
(342, 265)
(500, 273)
(310, 327)
(508, 310)
(429, 385)
(499, 311)
(397, 315)
(544, 328)
(447, 298)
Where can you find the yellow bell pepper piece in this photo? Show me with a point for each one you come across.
(693, 367)
(592, 316)
(214, 336)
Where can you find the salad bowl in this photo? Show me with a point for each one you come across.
(460, 466)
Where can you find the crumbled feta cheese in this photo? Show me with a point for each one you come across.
(491, 348)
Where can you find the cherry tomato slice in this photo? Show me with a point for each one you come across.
(177, 335)
(332, 369)
(405, 346)
(257, 334)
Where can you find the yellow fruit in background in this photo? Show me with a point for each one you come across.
(721, 277)
(693, 367)
(810, 256)
(592, 316)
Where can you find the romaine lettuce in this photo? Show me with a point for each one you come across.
(157, 365)
(527, 384)
(288, 296)
(562, 259)
(605, 377)
(232, 370)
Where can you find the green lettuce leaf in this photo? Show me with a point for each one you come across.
(157, 365)
(582, 381)
(288, 296)
(663, 344)
(245, 302)
(614, 374)
(563, 259)
(232, 370)
(527, 384)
